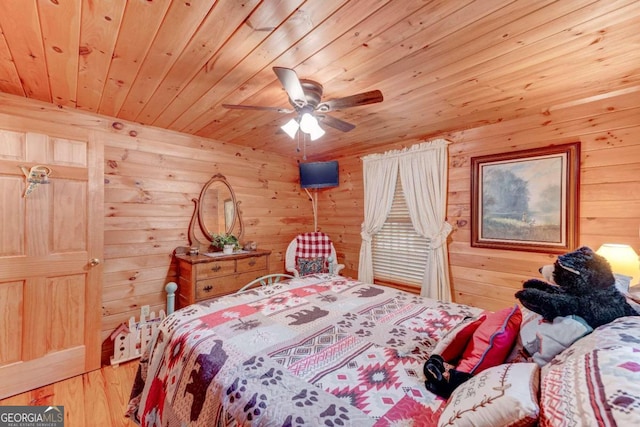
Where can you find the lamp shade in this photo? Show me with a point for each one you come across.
(316, 133)
(308, 123)
(290, 128)
(622, 258)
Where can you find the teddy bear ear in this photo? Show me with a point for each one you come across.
(587, 252)
(571, 261)
(577, 260)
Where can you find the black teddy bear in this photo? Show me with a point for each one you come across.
(582, 285)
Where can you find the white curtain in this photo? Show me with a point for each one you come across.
(423, 176)
(380, 175)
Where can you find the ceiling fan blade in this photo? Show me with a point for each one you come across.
(364, 98)
(291, 83)
(336, 123)
(256, 107)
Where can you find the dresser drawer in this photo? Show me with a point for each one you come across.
(215, 268)
(248, 277)
(201, 277)
(252, 263)
(217, 286)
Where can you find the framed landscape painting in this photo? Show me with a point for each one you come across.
(526, 200)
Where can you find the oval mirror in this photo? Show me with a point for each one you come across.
(216, 211)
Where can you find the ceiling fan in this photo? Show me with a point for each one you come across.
(305, 96)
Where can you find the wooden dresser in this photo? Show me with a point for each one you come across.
(201, 277)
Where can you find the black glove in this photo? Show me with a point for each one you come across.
(442, 378)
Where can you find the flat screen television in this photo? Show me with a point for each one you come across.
(319, 174)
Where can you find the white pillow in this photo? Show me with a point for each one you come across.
(544, 340)
(622, 282)
(504, 395)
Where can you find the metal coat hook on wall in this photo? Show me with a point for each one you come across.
(36, 175)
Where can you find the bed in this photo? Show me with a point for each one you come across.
(319, 350)
(331, 351)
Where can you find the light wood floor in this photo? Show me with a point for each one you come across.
(98, 398)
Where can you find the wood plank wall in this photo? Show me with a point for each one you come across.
(151, 175)
(148, 193)
(609, 132)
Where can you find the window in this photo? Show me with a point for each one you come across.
(399, 252)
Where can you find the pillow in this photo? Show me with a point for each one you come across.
(518, 353)
(622, 282)
(596, 381)
(308, 266)
(451, 346)
(491, 343)
(543, 340)
(504, 395)
(633, 299)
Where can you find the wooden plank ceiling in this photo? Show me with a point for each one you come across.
(442, 65)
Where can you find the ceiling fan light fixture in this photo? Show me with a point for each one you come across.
(316, 133)
(291, 128)
(305, 96)
(308, 123)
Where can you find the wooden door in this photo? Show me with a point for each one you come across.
(50, 289)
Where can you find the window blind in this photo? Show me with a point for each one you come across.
(399, 252)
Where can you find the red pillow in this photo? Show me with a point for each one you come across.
(491, 343)
(451, 346)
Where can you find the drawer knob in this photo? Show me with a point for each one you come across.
(252, 262)
(216, 267)
(207, 288)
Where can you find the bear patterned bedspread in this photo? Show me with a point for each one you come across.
(320, 350)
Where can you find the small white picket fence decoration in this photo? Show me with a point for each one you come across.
(130, 341)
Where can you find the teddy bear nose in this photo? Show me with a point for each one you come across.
(540, 270)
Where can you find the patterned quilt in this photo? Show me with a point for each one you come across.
(320, 350)
(595, 382)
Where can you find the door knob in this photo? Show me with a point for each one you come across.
(94, 262)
